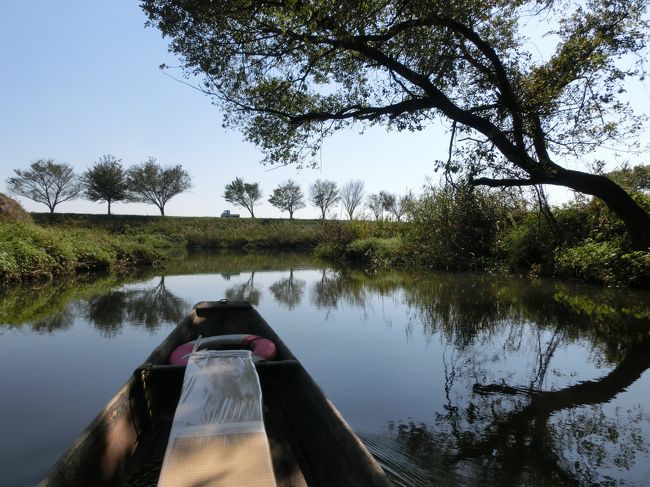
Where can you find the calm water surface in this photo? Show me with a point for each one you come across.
(450, 379)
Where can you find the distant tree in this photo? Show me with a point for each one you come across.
(288, 197)
(375, 204)
(47, 182)
(105, 181)
(243, 194)
(396, 205)
(324, 194)
(149, 182)
(387, 201)
(352, 196)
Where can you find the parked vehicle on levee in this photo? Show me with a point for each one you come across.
(227, 214)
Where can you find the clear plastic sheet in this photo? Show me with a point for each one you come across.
(217, 436)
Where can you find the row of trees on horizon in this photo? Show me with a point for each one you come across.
(51, 183)
(323, 194)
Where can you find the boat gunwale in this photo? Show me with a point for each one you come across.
(119, 406)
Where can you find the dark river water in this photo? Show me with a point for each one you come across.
(449, 379)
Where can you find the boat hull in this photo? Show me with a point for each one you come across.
(310, 442)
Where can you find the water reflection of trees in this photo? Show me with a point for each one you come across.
(522, 429)
(288, 290)
(107, 302)
(353, 287)
(562, 437)
(245, 291)
(511, 416)
(142, 307)
(50, 306)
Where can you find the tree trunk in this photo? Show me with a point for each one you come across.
(109, 206)
(162, 210)
(545, 403)
(637, 221)
(290, 215)
(635, 218)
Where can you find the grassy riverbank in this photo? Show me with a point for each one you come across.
(447, 230)
(195, 232)
(49, 245)
(29, 251)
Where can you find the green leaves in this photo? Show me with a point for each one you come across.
(290, 74)
(150, 182)
(243, 194)
(288, 197)
(105, 181)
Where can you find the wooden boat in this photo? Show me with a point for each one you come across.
(310, 443)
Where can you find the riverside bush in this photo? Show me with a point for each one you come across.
(453, 228)
(582, 241)
(28, 251)
(607, 262)
(528, 244)
(375, 252)
(372, 253)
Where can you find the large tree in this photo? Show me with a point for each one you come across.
(149, 182)
(243, 194)
(291, 73)
(352, 196)
(288, 197)
(105, 181)
(324, 194)
(47, 182)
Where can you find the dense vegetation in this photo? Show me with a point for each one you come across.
(462, 228)
(458, 227)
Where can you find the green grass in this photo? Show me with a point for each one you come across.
(29, 251)
(71, 243)
(197, 232)
(580, 246)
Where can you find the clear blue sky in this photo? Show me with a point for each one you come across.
(81, 80)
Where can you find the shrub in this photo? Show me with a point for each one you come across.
(453, 228)
(528, 244)
(604, 262)
(375, 252)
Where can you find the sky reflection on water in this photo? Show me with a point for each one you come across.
(461, 379)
